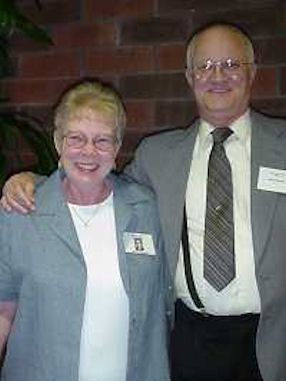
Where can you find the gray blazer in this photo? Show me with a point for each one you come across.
(42, 266)
(163, 161)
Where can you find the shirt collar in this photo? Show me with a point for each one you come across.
(240, 128)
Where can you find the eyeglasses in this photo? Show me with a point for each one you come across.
(101, 143)
(230, 67)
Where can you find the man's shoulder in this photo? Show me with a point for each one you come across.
(271, 123)
(131, 189)
(168, 138)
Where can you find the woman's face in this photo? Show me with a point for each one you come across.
(88, 150)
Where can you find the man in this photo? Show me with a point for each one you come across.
(233, 327)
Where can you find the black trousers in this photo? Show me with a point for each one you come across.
(213, 348)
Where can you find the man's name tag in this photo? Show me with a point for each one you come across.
(138, 243)
(272, 180)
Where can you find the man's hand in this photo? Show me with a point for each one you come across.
(18, 193)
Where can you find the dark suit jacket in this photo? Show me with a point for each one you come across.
(163, 162)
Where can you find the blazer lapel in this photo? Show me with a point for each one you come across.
(53, 210)
(266, 151)
(174, 184)
(123, 219)
(126, 220)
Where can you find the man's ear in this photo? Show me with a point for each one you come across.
(253, 72)
(118, 146)
(189, 77)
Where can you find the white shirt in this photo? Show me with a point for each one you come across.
(241, 295)
(104, 337)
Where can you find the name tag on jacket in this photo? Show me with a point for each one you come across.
(272, 180)
(138, 243)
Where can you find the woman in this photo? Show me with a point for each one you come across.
(81, 278)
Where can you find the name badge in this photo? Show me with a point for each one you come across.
(138, 243)
(272, 180)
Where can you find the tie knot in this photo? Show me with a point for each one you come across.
(221, 134)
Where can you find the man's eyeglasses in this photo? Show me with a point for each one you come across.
(101, 143)
(230, 67)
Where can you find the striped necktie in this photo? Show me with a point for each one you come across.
(219, 265)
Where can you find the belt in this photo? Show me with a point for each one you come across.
(185, 313)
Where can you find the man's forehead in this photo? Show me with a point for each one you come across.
(219, 41)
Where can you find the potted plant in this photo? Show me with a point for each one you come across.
(23, 143)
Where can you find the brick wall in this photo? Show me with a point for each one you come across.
(138, 45)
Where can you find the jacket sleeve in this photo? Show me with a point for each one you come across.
(8, 285)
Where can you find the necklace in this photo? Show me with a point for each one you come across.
(85, 222)
(106, 191)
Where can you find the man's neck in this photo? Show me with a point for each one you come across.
(222, 121)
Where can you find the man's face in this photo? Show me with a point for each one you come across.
(222, 94)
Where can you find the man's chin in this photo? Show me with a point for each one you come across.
(219, 116)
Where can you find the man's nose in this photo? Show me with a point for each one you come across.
(217, 71)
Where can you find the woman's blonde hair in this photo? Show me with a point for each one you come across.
(89, 96)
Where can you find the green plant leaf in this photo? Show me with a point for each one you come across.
(5, 60)
(15, 128)
(31, 30)
(11, 19)
(7, 17)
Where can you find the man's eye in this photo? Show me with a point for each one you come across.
(204, 66)
(233, 65)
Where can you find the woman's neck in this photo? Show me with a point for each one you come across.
(86, 195)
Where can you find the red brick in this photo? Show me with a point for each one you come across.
(271, 106)
(257, 21)
(271, 50)
(57, 87)
(43, 113)
(95, 9)
(175, 113)
(176, 5)
(140, 115)
(282, 81)
(283, 15)
(154, 30)
(265, 84)
(71, 35)
(154, 86)
(130, 142)
(171, 57)
(29, 91)
(51, 12)
(20, 43)
(36, 92)
(14, 69)
(126, 59)
(58, 64)
(212, 6)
